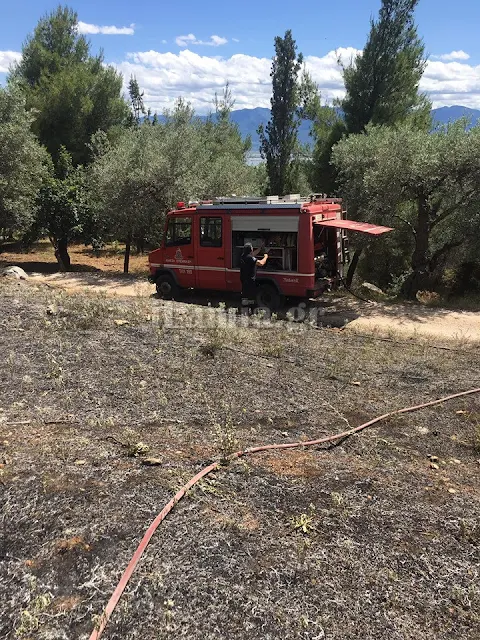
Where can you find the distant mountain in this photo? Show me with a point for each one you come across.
(444, 115)
(248, 121)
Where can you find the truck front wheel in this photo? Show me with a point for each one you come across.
(166, 287)
(269, 297)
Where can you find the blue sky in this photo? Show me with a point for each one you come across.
(192, 48)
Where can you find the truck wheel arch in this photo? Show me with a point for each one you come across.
(166, 272)
(270, 281)
(275, 297)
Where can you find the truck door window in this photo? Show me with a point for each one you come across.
(210, 232)
(179, 232)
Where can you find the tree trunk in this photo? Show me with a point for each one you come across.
(420, 276)
(126, 260)
(464, 278)
(353, 267)
(61, 254)
(140, 245)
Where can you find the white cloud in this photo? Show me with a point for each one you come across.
(7, 58)
(93, 29)
(235, 40)
(190, 39)
(166, 76)
(449, 83)
(454, 55)
(217, 41)
(164, 42)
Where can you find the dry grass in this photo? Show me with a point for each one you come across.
(365, 539)
(41, 258)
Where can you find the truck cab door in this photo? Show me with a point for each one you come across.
(210, 271)
(179, 249)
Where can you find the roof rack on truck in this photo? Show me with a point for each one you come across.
(292, 198)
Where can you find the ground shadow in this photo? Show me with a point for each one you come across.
(40, 259)
(46, 267)
(322, 312)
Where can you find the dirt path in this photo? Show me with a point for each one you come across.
(461, 326)
(109, 285)
(381, 318)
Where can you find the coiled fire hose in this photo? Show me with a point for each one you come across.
(97, 632)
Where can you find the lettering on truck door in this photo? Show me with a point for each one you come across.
(210, 271)
(179, 251)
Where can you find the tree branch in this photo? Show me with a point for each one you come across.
(412, 228)
(449, 210)
(445, 249)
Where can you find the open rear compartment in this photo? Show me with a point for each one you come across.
(282, 248)
(327, 252)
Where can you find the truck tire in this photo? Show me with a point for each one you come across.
(269, 297)
(166, 287)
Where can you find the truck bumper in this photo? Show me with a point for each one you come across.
(322, 285)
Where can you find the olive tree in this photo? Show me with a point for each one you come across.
(426, 184)
(22, 164)
(62, 206)
(149, 169)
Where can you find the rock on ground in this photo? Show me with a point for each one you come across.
(15, 272)
(372, 287)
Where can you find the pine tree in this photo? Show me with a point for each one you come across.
(382, 86)
(382, 83)
(136, 100)
(278, 141)
(72, 93)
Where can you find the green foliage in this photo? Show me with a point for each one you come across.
(382, 83)
(278, 141)
(73, 93)
(225, 151)
(426, 184)
(62, 207)
(150, 168)
(382, 88)
(328, 129)
(23, 164)
(54, 45)
(305, 522)
(136, 101)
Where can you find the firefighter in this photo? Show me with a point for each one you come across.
(248, 274)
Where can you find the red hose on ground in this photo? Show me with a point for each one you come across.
(97, 632)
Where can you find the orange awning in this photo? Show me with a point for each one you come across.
(353, 225)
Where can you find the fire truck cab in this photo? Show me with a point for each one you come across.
(305, 239)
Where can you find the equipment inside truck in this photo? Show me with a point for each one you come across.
(325, 248)
(280, 246)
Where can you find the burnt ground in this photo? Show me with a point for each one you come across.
(371, 538)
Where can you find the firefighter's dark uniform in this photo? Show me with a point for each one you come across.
(248, 274)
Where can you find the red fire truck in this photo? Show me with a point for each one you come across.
(305, 239)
